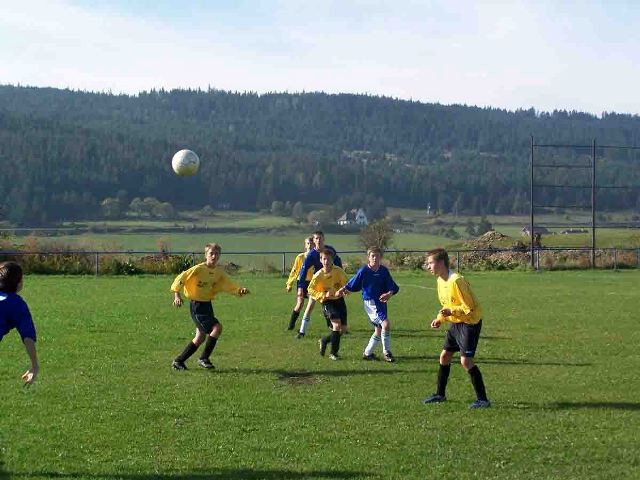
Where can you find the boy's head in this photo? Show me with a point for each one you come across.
(212, 252)
(374, 255)
(326, 258)
(10, 277)
(437, 261)
(308, 243)
(318, 240)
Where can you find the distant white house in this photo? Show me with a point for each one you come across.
(540, 230)
(357, 216)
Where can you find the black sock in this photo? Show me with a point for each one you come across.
(189, 350)
(335, 342)
(294, 318)
(443, 377)
(208, 348)
(478, 383)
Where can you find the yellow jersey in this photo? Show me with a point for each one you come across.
(326, 282)
(455, 294)
(295, 270)
(202, 283)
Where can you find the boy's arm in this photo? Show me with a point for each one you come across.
(229, 286)
(355, 283)
(390, 286)
(302, 276)
(463, 291)
(30, 375)
(315, 290)
(293, 274)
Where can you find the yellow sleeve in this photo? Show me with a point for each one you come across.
(181, 279)
(315, 288)
(295, 271)
(463, 293)
(225, 284)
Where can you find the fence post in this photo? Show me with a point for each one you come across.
(638, 258)
(537, 251)
(615, 258)
(284, 263)
(97, 264)
(458, 266)
(193, 258)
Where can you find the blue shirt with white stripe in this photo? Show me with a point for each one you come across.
(372, 283)
(14, 313)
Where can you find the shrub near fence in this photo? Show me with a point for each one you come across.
(133, 263)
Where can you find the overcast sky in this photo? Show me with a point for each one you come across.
(573, 55)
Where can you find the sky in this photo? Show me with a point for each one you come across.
(547, 55)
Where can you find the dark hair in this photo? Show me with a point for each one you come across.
(10, 277)
(327, 251)
(439, 254)
(320, 233)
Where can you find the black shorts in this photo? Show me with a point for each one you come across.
(335, 309)
(463, 338)
(202, 315)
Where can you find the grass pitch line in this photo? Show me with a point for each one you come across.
(416, 286)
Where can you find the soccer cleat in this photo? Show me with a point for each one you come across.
(323, 346)
(371, 356)
(334, 356)
(480, 404)
(388, 357)
(291, 326)
(205, 363)
(300, 335)
(178, 365)
(434, 398)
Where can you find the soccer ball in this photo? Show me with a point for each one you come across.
(185, 163)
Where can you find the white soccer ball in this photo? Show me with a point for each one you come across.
(185, 163)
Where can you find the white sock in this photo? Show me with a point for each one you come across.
(373, 343)
(386, 341)
(303, 325)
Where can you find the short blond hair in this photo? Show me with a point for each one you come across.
(376, 250)
(215, 247)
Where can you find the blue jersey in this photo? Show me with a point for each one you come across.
(313, 260)
(373, 284)
(14, 313)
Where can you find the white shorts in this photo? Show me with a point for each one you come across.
(376, 311)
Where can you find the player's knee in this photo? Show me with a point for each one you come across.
(217, 330)
(445, 357)
(386, 326)
(467, 363)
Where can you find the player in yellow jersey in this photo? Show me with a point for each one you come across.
(293, 279)
(324, 288)
(201, 283)
(461, 308)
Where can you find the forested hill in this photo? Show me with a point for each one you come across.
(63, 152)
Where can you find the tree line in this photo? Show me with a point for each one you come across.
(65, 153)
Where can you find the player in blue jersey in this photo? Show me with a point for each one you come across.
(14, 313)
(377, 288)
(313, 260)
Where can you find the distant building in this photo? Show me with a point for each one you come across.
(357, 216)
(525, 232)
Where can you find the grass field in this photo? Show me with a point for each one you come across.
(558, 353)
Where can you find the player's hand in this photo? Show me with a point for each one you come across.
(436, 323)
(288, 288)
(384, 298)
(446, 312)
(29, 377)
(177, 301)
(243, 291)
(327, 295)
(341, 292)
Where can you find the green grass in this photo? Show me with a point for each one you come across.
(558, 354)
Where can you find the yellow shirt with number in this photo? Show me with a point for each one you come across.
(202, 283)
(326, 282)
(295, 270)
(455, 294)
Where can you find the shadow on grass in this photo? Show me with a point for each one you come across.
(245, 474)
(573, 406)
(3, 474)
(584, 405)
(496, 361)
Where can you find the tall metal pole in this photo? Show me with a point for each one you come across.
(593, 204)
(533, 264)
